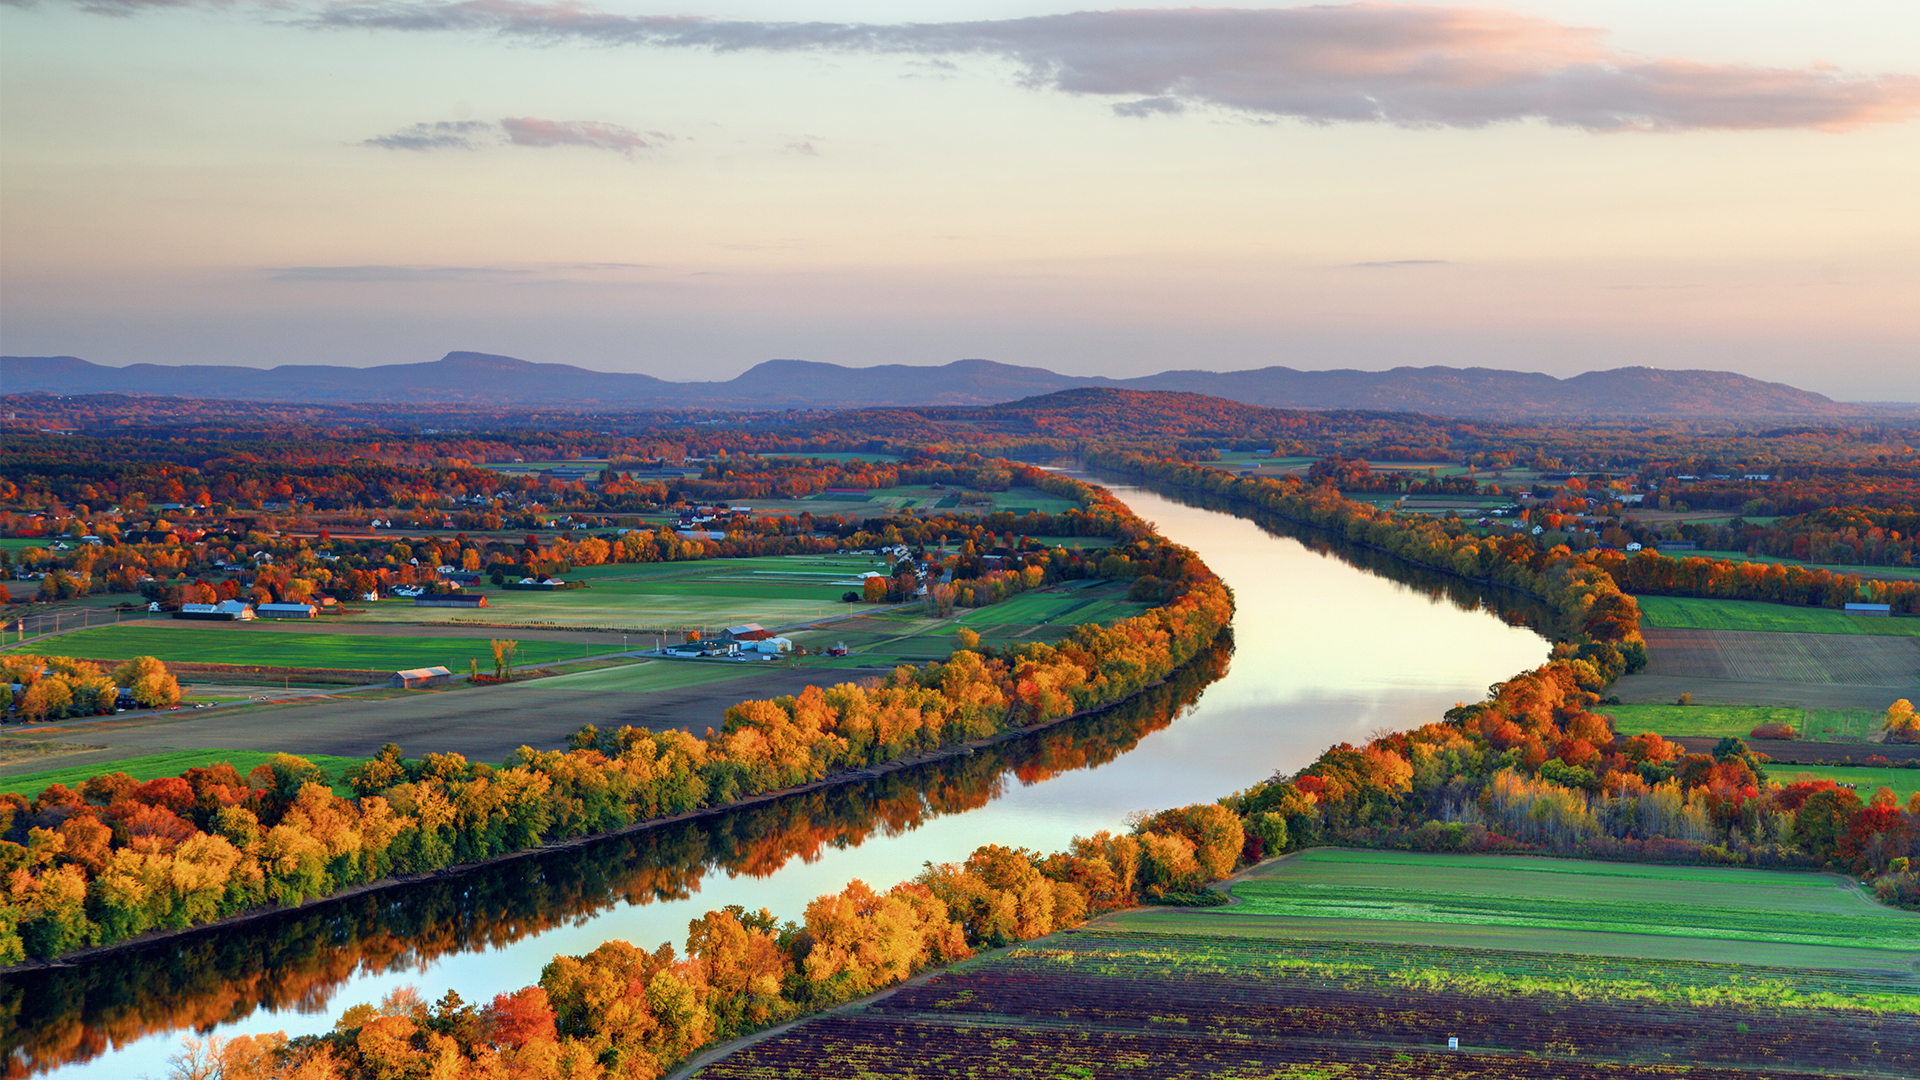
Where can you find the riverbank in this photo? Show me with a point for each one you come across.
(90, 954)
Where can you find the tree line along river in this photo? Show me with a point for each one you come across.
(1328, 644)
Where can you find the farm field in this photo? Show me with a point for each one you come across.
(1722, 904)
(1192, 993)
(706, 594)
(1785, 660)
(1814, 725)
(907, 635)
(646, 676)
(1864, 779)
(1688, 613)
(286, 646)
(168, 763)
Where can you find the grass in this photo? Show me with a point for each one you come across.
(1863, 779)
(1561, 895)
(909, 636)
(283, 646)
(1702, 720)
(773, 591)
(1687, 613)
(1709, 721)
(649, 675)
(170, 763)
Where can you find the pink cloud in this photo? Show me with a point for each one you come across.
(1401, 64)
(529, 131)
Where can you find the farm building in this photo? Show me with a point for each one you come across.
(459, 600)
(225, 610)
(752, 631)
(414, 678)
(774, 646)
(1880, 610)
(287, 611)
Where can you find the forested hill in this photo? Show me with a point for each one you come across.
(1104, 413)
(481, 379)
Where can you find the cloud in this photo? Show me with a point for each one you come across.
(528, 131)
(517, 131)
(388, 273)
(1150, 106)
(1414, 66)
(440, 135)
(532, 273)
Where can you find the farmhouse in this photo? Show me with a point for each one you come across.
(455, 600)
(414, 678)
(287, 611)
(225, 610)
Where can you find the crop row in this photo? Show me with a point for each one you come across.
(1268, 1011)
(1367, 964)
(872, 1047)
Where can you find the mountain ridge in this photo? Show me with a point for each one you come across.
(486, 378)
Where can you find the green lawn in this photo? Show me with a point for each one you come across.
(1566, 895)
(284, 646)
(1813, 725)
(1704, 720)
(1864, 780)
(1687, 613)
(170, 763)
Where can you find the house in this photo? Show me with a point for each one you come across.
(752, 631)
(415, 678)
(287, 611)
(458, 600)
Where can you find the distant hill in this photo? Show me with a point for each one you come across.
(483, 379)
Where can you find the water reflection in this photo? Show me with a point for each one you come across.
(1324, 651)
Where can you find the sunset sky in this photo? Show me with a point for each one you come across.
(688, 189)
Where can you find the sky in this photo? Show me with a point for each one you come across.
(687, 190)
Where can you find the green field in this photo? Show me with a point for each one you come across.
(1813, 725)
(285, 646)
(907, 635)
(649, 675)
(170, 763)
(1381, 957)
(1730, 907)
(709, 594)
(1687, 613)
(1702, 720)
(1863, 779)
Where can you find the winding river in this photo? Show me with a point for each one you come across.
(1323, 651)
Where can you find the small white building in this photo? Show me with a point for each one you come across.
(774, 646)
(414, 678)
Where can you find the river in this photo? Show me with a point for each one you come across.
(1323, 652)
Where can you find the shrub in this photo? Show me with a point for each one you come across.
(1774, 729)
